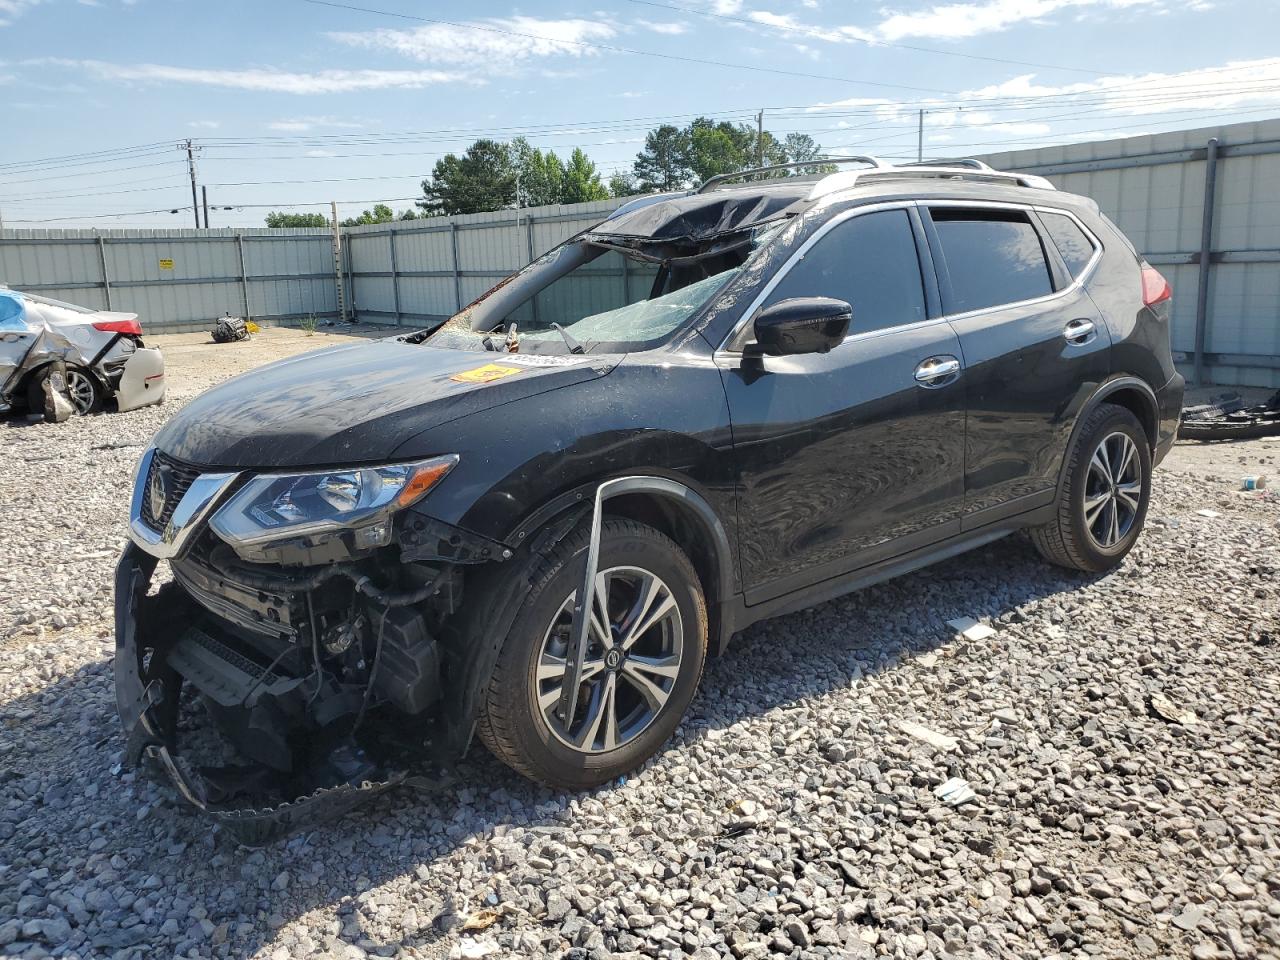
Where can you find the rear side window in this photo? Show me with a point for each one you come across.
(992, 256)
(870, 262)
(1072, 242)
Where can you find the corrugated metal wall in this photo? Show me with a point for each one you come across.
(422, 270)
(177, 279)
(1154, 189)
(413, 272)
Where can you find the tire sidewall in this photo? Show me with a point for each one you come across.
(35, 389)
(555, 761)
(1121, 421)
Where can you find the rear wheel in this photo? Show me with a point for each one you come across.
(83, 390)
(647, 640)
(1103, 504)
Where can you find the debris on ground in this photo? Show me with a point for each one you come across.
(1165, 709)
(229, 329)
(955, 792)
(971, 629)
(481, 920)
(931, 737)
(1210, 514)
(1226, 417)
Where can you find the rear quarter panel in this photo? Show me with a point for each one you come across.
(1140, 340)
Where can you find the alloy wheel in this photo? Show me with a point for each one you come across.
(81, 391)
(635, 646)
(1113, 490)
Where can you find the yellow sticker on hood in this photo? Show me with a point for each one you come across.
(486, 374)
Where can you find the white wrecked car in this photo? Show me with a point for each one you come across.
(104, 354)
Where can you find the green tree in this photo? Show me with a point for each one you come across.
(275, 219)
(582, 180)
(380, 213)
(541, 174)
(663, 164)
(482, 179)
(409, 214)
(674, 158)
(622, 185)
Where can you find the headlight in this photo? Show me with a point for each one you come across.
(276, 506)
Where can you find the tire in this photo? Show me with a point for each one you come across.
(529, 737)
(1089, 541)
(86, 392)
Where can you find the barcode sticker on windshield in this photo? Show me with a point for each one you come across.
(486, 374)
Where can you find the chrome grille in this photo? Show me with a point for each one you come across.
(181, 476)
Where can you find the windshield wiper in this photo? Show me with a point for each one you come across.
(573, 345)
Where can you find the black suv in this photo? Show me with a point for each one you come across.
(531, 523)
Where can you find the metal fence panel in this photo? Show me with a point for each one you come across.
(1154, 188)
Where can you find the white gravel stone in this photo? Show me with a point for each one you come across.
(791, 813)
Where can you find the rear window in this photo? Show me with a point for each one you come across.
(993, 257)
(1072, 242)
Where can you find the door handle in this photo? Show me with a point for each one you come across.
(1078, 331)
(937, 371)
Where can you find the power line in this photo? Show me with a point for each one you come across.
(616, 49)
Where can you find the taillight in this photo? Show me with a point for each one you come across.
(1155, 288)
(130, 327)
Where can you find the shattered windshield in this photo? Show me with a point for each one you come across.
(602, 294)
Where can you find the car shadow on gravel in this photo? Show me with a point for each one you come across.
(70, 810)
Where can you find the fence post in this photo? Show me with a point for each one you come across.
(244, 276)
(106, 275)
(1206, 254)
(457, 274)
(395, 272)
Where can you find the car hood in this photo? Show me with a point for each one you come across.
(356, 403)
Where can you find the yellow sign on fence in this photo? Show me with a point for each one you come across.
(166, 264)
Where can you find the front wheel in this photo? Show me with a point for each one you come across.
(1103, 504)
(646, 644)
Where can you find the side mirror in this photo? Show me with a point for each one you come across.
(801, 325)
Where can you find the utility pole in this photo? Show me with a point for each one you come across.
(920, 139)
(204, 202)
(760, 138)
(191, 149)
(337, 263)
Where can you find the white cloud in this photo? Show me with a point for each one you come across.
(11, 10)
(261, 80)
(954, 21)
(493, 44)
(670, 29)
(303, 124)
(204, 124)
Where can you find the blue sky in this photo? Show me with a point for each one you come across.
(294, 102)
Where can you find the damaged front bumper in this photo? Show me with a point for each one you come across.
(148, 698)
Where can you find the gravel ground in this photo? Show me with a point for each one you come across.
(793, 814)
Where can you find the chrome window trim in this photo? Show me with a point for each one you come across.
(201, 497)
(1077, 282)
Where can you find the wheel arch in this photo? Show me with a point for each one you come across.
(1131, 393)
(675, 509)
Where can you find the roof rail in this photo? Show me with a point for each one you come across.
(968, 163)
(874, 162)
(974, 170)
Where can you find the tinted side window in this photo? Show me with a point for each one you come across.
(869, 261)
(1071, 241)
(992, 256)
